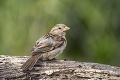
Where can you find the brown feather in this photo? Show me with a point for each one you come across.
(41, 48)
(29, 64)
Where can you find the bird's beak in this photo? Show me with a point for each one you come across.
(66, 29)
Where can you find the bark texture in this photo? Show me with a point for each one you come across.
(56, 70)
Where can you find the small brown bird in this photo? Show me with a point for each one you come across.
(48, 47)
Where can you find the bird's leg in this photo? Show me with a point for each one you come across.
(66, 59)
(39, 62)
(53, 59)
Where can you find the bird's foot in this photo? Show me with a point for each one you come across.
(53, 59)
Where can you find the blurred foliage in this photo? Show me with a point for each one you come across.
(94, 34)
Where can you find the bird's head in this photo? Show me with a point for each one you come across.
(59, 29)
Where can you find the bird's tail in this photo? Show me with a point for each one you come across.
(29, 64)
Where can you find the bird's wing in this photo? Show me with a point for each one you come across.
(45, 45)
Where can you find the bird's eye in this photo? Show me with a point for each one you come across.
(59, 28)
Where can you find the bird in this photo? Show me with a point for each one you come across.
(48, 47)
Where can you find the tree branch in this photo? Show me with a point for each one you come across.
(57, 69)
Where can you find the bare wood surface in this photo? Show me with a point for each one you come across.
(56, 70)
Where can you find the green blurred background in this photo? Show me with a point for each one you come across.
(94, 35)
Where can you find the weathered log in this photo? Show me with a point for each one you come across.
(55, 70)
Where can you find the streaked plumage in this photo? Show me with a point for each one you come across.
(48, 46)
